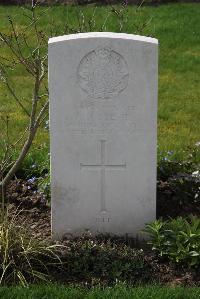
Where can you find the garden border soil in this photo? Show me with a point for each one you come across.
(34, 213)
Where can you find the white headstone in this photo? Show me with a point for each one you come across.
(103, 110)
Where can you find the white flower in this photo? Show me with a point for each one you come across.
(196, 173)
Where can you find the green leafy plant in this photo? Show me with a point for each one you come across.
(178, 192)
(177, 239)
(169, 166)
(103, 260)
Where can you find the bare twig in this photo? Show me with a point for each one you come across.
(35, 64)
(41, 114)
(16, 98)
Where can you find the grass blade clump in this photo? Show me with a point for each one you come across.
(23, 259)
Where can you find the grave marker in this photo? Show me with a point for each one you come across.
(103, 109)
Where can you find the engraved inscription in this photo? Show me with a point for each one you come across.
(103, 118)
(103, 73)
(103, 166)
(103, 219)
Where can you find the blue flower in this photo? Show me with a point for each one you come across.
(31, 180)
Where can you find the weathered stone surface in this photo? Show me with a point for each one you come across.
(103, 107)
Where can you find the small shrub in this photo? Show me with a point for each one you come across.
(169, 166)
(178, 192)
(102, 260)
(177, 239)
(179, 195)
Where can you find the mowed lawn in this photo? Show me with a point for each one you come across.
(177, 27)
(118, 292)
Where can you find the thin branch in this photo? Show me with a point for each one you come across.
(20, 138)
(16, 98)
(35, 99)
(5, 164)
(34, 23)
(4, 168)
(43, 119)
(43, 95)
(35, 65)
(19, 160)
(16, 38)
(24, 62)
(41, 114)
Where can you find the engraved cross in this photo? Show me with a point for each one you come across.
(103, 166)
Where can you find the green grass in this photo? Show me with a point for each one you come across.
(176, 26)
(118, 292)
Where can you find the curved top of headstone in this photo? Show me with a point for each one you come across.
(103, 35)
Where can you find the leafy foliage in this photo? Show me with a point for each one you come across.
(168, 166)
(178, 192)
(102, 260)
(177, 239)
(187, 187)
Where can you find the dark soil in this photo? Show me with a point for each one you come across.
(178, 196)
(34, 213)
(35, 210)
(25, 200)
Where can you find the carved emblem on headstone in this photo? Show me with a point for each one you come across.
(103, 73)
